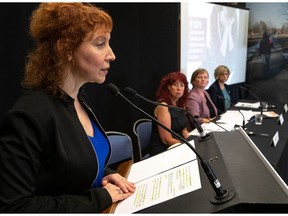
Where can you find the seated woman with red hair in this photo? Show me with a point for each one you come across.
(173, 91)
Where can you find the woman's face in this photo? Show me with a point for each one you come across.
(177, 90)
(223, 77)
(93, 57)
(201, 80)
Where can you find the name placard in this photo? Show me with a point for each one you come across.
(281, 119)
(285, 108)
(275, 139)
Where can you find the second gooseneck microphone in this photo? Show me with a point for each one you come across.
(257, 98)
(203, 135)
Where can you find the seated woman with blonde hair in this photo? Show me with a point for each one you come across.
(219, 91)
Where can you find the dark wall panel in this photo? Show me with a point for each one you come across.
(144, 40)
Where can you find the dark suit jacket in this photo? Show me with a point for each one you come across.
(47, 161)
(217, 96)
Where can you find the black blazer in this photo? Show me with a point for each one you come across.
(217, 96)
(47, 162)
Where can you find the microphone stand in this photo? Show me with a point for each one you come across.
(261, 102)
(221, 195)
(249, 133)
(203, 135)
(259, 89)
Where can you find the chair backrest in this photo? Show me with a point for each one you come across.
(142, 128)
(121, 145)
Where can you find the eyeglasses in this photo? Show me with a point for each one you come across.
(224, 74)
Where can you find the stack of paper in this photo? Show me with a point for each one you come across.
(162, 177)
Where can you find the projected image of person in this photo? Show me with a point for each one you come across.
(215, 35)
(219, 91)
(173, 90)
(265, 46)
(199, 103)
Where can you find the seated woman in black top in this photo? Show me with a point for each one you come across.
(219, 91)
(173, 90)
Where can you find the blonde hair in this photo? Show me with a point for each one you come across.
(58, 29)
(220, 70)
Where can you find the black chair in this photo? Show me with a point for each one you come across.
(121, 145)
(142, 128)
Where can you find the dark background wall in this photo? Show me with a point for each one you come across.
(14, 45)
(144, 39)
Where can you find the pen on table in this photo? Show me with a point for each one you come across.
(259, 134)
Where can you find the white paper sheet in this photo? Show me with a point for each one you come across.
(236, 117)
(161, 162)
(164, 186)
(248, 105)
(162, 177)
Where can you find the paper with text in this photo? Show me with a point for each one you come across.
(164, 186)
(248, 105)
(166, 160)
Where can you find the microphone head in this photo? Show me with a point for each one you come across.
(113, 89)
(241, 87)
(130, 91)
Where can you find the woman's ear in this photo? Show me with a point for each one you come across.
(69, 56)
(61, 46)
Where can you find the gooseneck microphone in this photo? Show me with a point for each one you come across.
(221, 195)
(260, 90)
(258, 99)
(250, 133)
(203, 135)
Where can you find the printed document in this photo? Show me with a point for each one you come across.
(162, 177)
(248, 105)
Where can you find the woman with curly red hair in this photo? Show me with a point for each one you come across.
(53, 151)
(173, 90)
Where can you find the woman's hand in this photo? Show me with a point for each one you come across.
(208, 120)
(122, 188)
(205, 120)
(116, 193)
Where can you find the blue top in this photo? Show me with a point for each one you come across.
(101, 148)
(227, 99)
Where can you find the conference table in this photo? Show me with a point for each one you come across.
(276, 155)
(246, 164)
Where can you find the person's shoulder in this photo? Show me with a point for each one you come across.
(194, 91)
(161, 107)
(206, 94)
(30, 98)
(194, 94)
(32, 104)
(161, 110)
(163, 102)
(215, 82)
(35, 102)
(213, 85)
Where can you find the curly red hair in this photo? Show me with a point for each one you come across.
(163, 93)
(58, 29)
